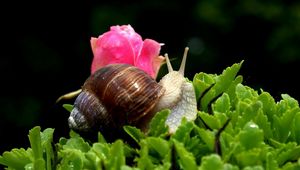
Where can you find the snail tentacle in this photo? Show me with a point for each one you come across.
(183, 62)
(170, 69)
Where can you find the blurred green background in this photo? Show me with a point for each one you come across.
(46, 49)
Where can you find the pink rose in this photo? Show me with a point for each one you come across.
(123, 45)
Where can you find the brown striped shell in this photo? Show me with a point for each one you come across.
(113, 96)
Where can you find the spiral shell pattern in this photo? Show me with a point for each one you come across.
(124, 94)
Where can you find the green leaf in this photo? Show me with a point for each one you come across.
(245, 93)
(291, 102)
(129, 152)
(223, 82)
(291, 166)
(222, 104)
(249, 157)
(230, 167)
(28, 166)
(47, 138)
(288, 152)
(35, 142)
(251, 131)
(197, 147)
(101, 150)
(228, 145)
(36, 145)
(254, 168)
(41, 144)
(135, 133)
(128, 168)
(116, 157)
(283, 125)
(157, 124)
(159, 146)
(17, 158)
(262, 121)
(71, 159)
(212, 161)
(186, 159)
(248, 112)
(92, 161)
(296, 128)
(271, 163)
(269, 105)
(207, 136)
(287, 103)
(201, 83)
(144, 162)
(182, 134)
(101, 138)
(232, 88)
(210, 120)
(76, 142)
(68, 107)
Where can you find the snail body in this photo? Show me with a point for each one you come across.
(121, 94)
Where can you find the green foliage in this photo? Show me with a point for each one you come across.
(39, 156)
(157, 125)
(237, 127)
(68, 107)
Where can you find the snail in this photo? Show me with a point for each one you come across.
(121, 94)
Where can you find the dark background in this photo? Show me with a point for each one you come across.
(46, 52)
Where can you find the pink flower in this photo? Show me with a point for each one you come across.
(123, 45)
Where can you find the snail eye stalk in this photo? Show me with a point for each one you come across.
(170, 69)
(183, 62)
(182, 66)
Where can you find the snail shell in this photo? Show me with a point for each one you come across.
(115, 95)
(120, 94)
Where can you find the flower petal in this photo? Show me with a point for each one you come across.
(149, 59)
(134, 38)
(109, 48)
(123, 45)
